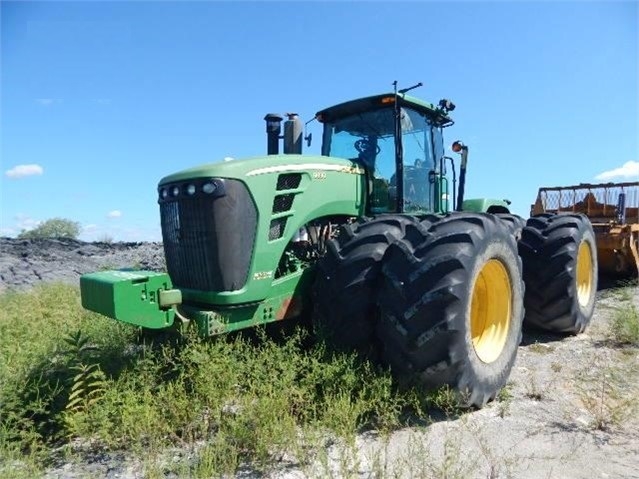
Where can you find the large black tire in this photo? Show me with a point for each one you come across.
(345, 290)
(559, 257)
(514, 222)
(451, 306)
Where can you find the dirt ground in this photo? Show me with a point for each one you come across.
(569, 411)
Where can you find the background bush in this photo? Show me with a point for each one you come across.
(53, 228)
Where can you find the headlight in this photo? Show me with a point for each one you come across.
(209, 187)
(175, 191)
(190, 189)
(164, 193)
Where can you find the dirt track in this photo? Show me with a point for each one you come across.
(570, 410)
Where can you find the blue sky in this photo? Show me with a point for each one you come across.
(101, 100)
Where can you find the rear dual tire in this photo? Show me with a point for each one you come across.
(559, 256)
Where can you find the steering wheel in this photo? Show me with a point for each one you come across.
(364, 146)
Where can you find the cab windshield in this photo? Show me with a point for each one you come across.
(368, 139)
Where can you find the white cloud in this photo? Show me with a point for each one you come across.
(114, 214)
(119, 232)
(228, 158)
(630, 169)
(20, 171)
(140, 234)
(24, 222)
(47, 101)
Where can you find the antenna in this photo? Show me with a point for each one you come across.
(404, 90)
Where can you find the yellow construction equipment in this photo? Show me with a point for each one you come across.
(613, 209)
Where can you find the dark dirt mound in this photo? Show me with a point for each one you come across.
(26, 262)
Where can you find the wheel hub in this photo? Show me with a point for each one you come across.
(490, 311)
(584, 275)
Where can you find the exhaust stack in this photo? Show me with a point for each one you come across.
(293, 129)
(293, 134)
(273, 130)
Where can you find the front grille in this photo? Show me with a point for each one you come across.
(208, 240)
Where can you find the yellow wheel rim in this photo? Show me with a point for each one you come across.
(584, 276)
(490, 311)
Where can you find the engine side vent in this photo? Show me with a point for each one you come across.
(283, 203)
(277, 228)
(288, 181)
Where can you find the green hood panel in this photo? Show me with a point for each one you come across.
(483, 205)
(259, 165)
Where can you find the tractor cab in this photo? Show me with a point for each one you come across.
(398, 140)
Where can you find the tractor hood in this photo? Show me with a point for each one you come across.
(225, 225)
(269, 164)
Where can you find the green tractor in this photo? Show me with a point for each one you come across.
(373, 239)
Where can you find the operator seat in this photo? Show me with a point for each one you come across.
(416, 183)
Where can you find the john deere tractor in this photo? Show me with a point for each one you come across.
(373, 239)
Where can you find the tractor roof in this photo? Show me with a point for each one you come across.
(380, 101)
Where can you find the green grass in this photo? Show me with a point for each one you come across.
(69, 377)
(624, 328)
(541, 348)
(608, 390)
